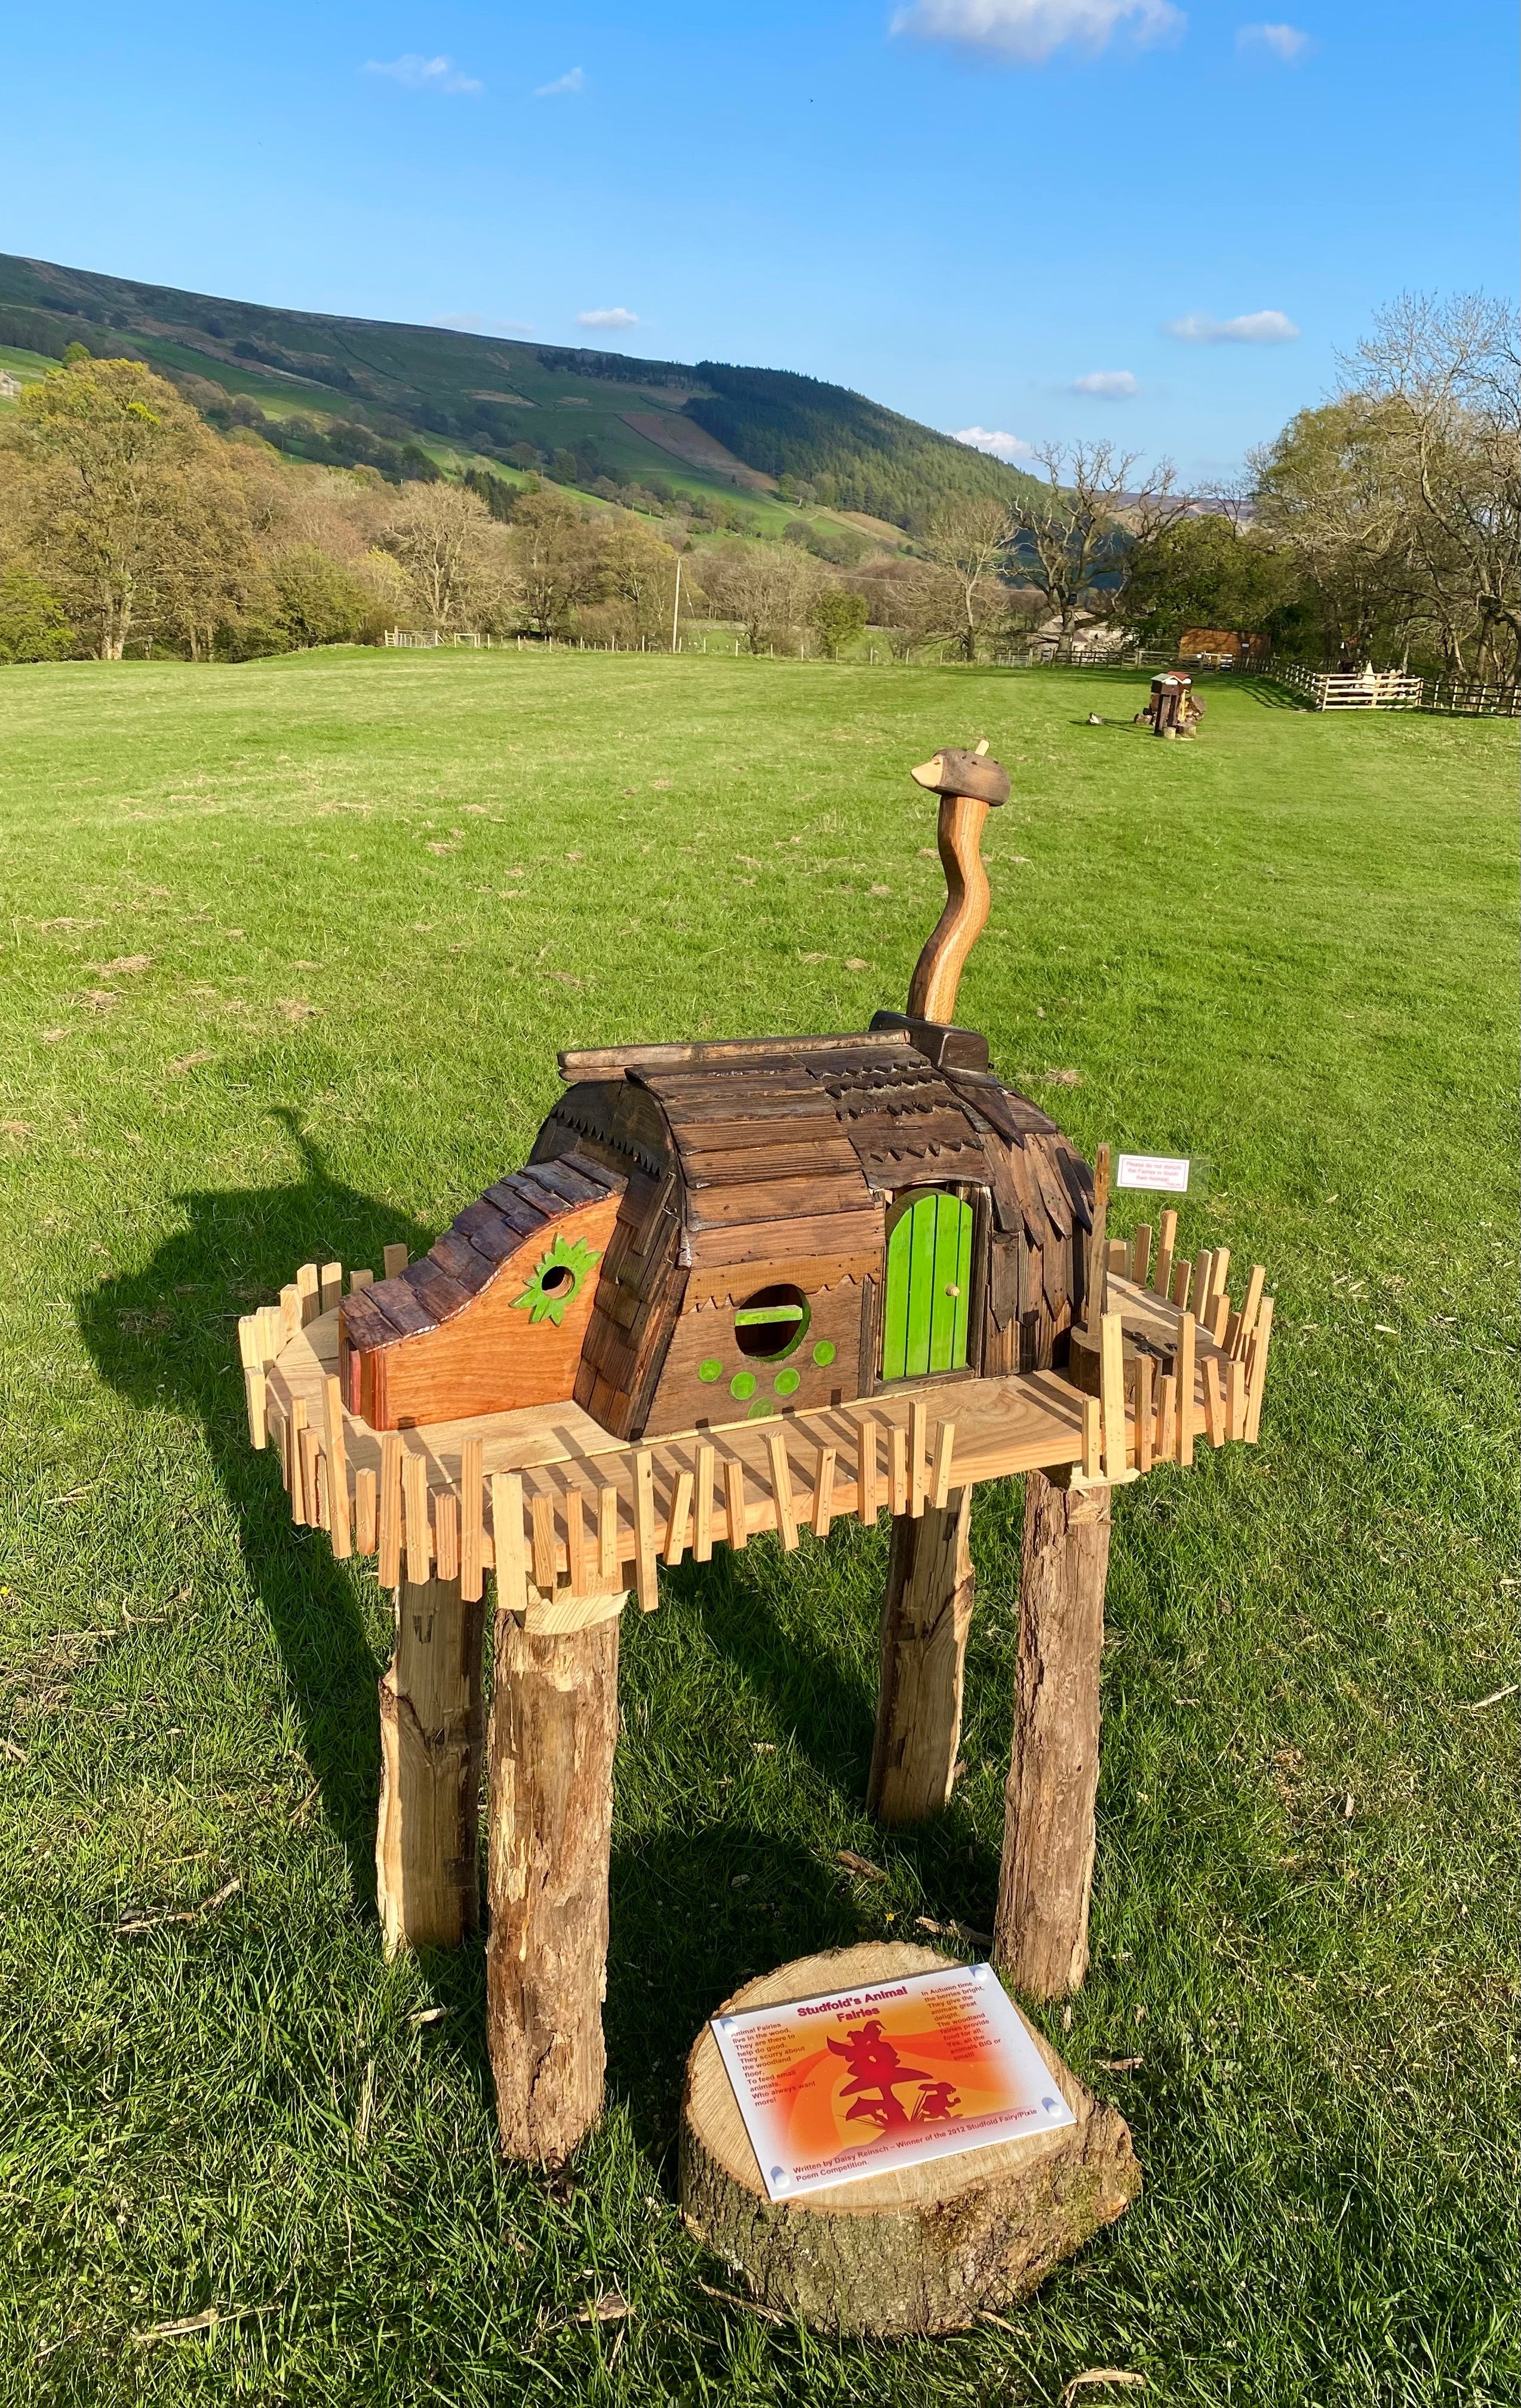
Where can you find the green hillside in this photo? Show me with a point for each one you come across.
(357, 388)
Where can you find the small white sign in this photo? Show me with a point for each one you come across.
(1161, 1171)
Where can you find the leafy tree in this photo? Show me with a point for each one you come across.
(555, 557)
(1400, 500)
(839, 616)
(33, 626)
(318, 600)
(637, 570)
(501, 499)
(128, 498)
(1205, 572)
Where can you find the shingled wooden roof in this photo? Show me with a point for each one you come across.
(473, 1251)
(789, 1148)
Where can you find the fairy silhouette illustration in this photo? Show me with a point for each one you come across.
(940, 2105)
(877, 2073)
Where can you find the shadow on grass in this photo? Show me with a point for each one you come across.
(694, 1915)
(167, 1336)
(1270, 694)
(827, 1705)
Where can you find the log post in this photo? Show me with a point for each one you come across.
(427, 1883)
(553, 1727)
(1040, 1934)
(926, 1617)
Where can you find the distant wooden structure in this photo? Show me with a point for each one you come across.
(1220, 648)
(742, 1288)
(1173, 708)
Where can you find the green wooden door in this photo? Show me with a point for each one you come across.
(928, 1287)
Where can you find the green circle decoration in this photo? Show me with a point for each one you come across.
(711, 1369)
(742, 1385)
(760, 1410)
(823, 1352)
(787, 1381)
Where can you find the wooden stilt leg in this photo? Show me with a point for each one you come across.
(926, 1617)
(427, 1883)
(1040, 1935)
(553, 1727)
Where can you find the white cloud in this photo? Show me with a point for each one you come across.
(574, 81)
(1003, 447)
(613, 320)
(465, 322)
(1284, 43)
(1257, 326)
(1028, 31)
(1108, 384)
(424, 75)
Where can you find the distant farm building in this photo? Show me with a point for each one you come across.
(1220, 648)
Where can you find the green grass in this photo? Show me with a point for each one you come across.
(288, 953)
(27, 367)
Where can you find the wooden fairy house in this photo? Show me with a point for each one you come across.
(740, 1289)
(721, 1232)
(725, 1232)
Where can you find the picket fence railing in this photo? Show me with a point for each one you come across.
(1342, 690)
(1392, 690)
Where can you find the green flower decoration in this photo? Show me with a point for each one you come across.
(557, 1281)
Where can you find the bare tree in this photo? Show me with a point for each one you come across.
(965, 539)
(445, 539)
(764, 588)
(1091, 524)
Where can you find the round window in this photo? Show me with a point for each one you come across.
(771, 1322)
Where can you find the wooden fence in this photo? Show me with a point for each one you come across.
(1340, 690)
(1471, 697)
(1392, 690)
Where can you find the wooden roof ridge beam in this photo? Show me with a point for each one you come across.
(613, 1061)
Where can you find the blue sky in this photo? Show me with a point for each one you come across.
(1043, 219)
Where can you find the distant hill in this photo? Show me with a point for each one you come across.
(361, 388)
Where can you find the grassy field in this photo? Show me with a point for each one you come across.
(288, 953)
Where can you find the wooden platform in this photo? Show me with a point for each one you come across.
(548, 1499)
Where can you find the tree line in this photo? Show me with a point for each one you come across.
(1383, 522)
(129, 525)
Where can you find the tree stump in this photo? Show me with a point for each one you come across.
(925, 1618)
(923, 2250)
(553, 1727)
(1040, 1934)
(426, 1879)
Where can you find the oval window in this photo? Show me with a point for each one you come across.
(771, 1322)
